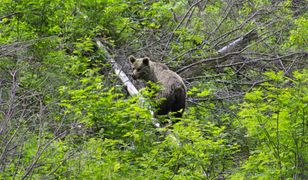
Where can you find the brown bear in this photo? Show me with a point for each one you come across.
(173, 89)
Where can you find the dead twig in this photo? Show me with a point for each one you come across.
(181, 22)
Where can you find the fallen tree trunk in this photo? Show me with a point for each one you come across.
(232, 49)
(239, 43)
(132, 90)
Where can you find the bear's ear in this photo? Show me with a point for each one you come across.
(132, 59)
(146, 61)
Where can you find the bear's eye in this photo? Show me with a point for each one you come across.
(138, 69)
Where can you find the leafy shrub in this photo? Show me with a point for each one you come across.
(275, 116)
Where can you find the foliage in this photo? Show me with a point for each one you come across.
(65, 115)
(275, 117)
(129, 146)
(298, 37)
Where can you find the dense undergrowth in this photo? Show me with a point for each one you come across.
(65, 115)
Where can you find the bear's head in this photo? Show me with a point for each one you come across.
(141, 68)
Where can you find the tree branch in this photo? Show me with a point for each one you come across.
(181, 22)
(234, 48)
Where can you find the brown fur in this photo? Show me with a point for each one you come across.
(173, 90)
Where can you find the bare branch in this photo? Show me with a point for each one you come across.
(181, 22)
(40, 152)
(234, 48)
